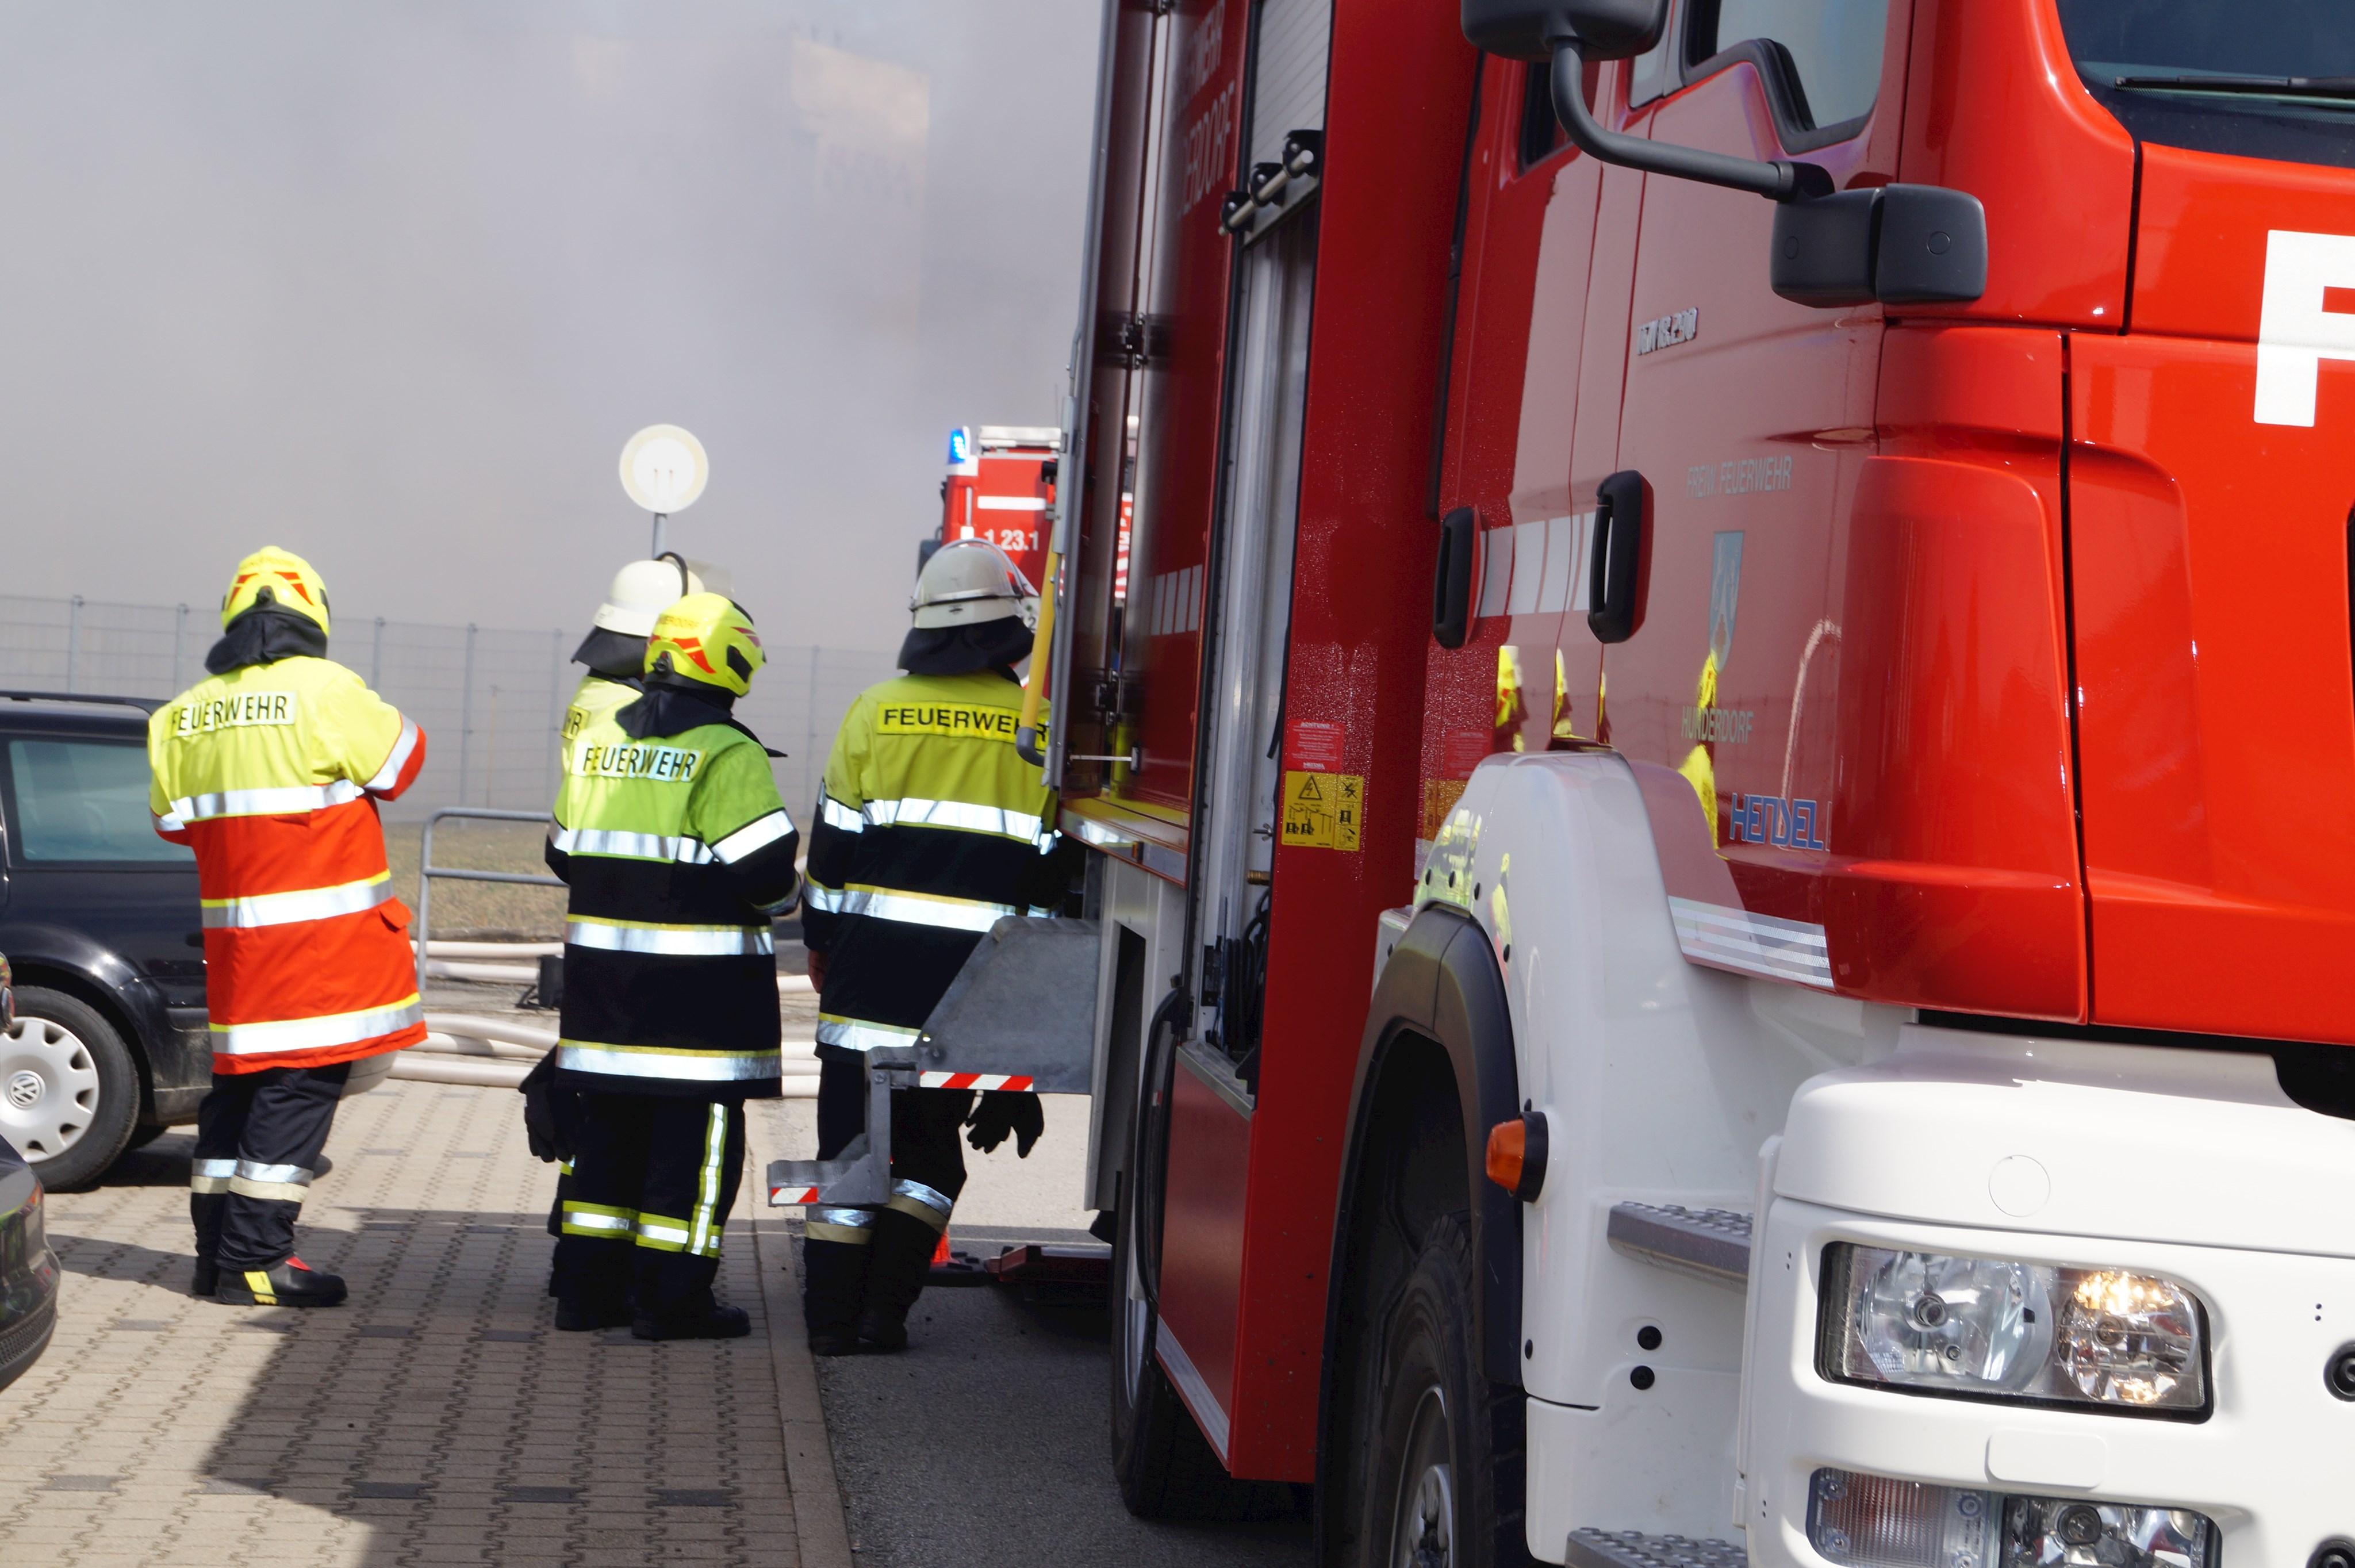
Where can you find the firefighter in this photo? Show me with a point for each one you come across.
(679, 852)
(271, 770)
(614, 653)
(930, 828)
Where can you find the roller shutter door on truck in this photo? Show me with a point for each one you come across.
(1296, 42)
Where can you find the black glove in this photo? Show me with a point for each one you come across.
(550, 1113)
(1004, 1111)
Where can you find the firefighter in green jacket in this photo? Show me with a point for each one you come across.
(679, 852)
(930, 828)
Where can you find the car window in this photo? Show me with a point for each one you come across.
(1833, 47)
(83, 800)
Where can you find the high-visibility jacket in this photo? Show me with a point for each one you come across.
(595, 697)
(271, 773)
(931, 828)
(677, 850)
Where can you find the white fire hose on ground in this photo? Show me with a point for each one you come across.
(481, 1051)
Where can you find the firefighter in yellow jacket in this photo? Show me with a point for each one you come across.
(929, 829)
(271, 770)
(679, 852)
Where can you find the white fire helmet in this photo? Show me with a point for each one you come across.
(970, 581)
(643, 591)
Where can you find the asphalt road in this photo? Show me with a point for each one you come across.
(986, 1442)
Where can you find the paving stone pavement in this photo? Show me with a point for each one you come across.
(437, 1418)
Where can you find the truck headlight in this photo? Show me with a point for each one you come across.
(1877, 1522)
(1984, 1327)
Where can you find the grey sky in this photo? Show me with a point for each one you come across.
(391, 284)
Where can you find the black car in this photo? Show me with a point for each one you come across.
(28, 1269)
(100, 918)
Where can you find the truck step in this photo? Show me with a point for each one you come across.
(1632, 1549)
(1712, 1243)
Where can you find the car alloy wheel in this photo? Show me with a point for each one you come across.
(48, 1087)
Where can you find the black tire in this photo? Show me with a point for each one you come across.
(145, 1133)
(1440, 1448)
(68, 1089)
(1166, 1468)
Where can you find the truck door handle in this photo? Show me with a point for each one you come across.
(1450, 588)
(1614, 569)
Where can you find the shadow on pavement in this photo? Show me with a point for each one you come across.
(988, 1442)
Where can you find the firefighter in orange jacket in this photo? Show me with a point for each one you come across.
(271, 770)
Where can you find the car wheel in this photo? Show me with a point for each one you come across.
(69, 1090)
(1440, 1488)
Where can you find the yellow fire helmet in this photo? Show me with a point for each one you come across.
(289, 582)
(706, 638)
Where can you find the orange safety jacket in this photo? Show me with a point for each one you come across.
(271, 772)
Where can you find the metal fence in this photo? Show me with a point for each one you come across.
(490, 698)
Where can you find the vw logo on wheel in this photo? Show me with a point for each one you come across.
(25, 1089)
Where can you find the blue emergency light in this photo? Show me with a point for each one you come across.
(957, 450)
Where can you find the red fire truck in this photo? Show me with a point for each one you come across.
(1722, 780)
(1000, 482)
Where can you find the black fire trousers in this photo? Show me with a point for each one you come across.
(258, 1135)
(878, 1258)
(654, 1176)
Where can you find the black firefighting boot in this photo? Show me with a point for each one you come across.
(895, 1277)
(579, 1314)
(833, 1280)
(288, 1282)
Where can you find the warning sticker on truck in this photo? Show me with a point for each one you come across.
(1323, 811)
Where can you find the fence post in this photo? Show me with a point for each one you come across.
(555, 704)
(179, 634)
(810, 758)
(466, 715)
(73, 639)
(376, 658)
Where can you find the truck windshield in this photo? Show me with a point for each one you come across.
(2275, 81)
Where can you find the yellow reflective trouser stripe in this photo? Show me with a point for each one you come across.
(929, 1204)
(662, 1233)
(704, 1230)
(211, 1175)
(854, 1226)
(597, 1220)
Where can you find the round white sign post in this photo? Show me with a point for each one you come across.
(663, 470)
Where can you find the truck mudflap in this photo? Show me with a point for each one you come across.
(1020, 1016)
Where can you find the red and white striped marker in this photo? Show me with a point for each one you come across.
(781, 1195)
(977, 1081)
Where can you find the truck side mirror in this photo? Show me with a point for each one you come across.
(1900, 244)
(1528, 29)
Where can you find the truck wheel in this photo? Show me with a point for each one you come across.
(68, 1089)
(1440, 1452)
(1166, 1468)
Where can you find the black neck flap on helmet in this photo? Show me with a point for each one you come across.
(616, 655)
(960, 650)
(674, 705)
(264, 635)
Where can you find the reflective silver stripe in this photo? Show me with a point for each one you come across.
(858, 1036)
(924, 909)
(665, 1230)
(670, 941)
(284, 802)
(961, 815)
(390, 774)
(931, 1197)
(837, 814)
(754, 837)
(315, 1034)
(685, 851)
(211, 1175)
(284, 1175)
(816, 895)
(245, 1185)
(287, 908)
(857, 1218)
(704, 1241)
(657, 1063)
(591, 1219)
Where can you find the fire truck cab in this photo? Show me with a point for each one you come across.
(1706, 644)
